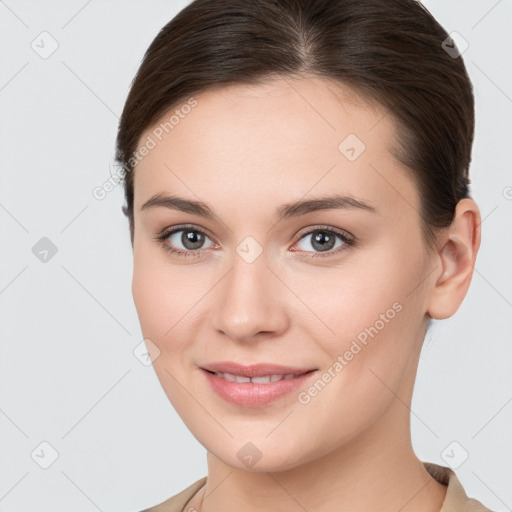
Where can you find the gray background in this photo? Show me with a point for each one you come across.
(69, 327)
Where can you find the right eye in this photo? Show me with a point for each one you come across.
(183, 240)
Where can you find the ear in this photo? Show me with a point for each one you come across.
(456, 258)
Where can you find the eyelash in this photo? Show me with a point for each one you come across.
(347, 240)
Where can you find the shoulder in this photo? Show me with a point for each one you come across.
(178, 501)
(456, 499)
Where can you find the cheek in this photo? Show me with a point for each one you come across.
(147, 295)
(158, 294)
(162, 302)
(365, 331)
(169, 300)
(366, 364)
(367, 323)
(343, 304)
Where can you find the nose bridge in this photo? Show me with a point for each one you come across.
(247, 302)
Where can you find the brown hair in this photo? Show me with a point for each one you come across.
(388, 51)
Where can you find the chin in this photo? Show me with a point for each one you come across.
(262, 454)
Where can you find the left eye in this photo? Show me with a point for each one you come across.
(324, 240)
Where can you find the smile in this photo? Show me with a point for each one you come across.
(255, 391)
(264, 379)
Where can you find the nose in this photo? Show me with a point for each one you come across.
(250, 302)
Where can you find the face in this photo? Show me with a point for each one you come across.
(335, 291)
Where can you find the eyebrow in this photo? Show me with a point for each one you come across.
(286, 211)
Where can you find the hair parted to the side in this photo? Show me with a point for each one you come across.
(388, 52)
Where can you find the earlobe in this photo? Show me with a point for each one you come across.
(456, 260)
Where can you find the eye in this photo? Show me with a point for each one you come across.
(324, 240)
(183, 240)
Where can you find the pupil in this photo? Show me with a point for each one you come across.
(323, 241)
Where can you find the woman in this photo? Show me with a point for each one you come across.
(298, 197)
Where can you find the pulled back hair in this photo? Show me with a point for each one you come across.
(390, 52)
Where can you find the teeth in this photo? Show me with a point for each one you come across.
(266, 379)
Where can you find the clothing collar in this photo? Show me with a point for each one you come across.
(456, 499)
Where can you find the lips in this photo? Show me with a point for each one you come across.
(254, 385)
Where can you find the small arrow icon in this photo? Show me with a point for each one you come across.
(44, 44)
(454, 455)
(44, 250)
(146, 352)
(351, 147)
(455, 45)
(249, 454)
(44, 455)
(249, 249)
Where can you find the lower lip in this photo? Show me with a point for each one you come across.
(249, 394)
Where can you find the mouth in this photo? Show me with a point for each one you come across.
(264, 379)
(254, 385)
(255, 370)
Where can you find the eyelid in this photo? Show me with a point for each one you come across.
(168, 231)
(324, 227)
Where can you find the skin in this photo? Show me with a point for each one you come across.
(247, 150)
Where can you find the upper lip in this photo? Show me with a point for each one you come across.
(254, 370)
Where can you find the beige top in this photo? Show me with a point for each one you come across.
(456, 499)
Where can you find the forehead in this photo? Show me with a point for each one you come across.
(278, 140)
